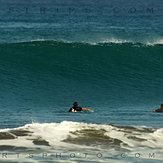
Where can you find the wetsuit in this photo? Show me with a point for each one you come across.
(76, 108)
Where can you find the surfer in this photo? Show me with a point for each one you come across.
(77, 108)
(159, 109)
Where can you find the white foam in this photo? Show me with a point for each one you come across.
(115, 40)
(55, 133)
(155, 42)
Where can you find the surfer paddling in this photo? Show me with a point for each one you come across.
(77, 108)
(159, 109)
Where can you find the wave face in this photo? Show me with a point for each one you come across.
(65, 138)
(40, 80)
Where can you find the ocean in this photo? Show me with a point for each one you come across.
(106, 55)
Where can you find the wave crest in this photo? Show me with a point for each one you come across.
(111, 40)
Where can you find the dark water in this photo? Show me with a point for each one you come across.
(82, 20)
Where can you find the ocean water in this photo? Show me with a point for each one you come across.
(105, 55)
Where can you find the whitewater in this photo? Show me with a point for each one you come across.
(73, 141)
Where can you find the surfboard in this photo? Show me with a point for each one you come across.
(83, 110)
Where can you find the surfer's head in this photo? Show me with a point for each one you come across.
(75, 104)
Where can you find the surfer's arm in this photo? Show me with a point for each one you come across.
(86, 109)
(70, 110)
